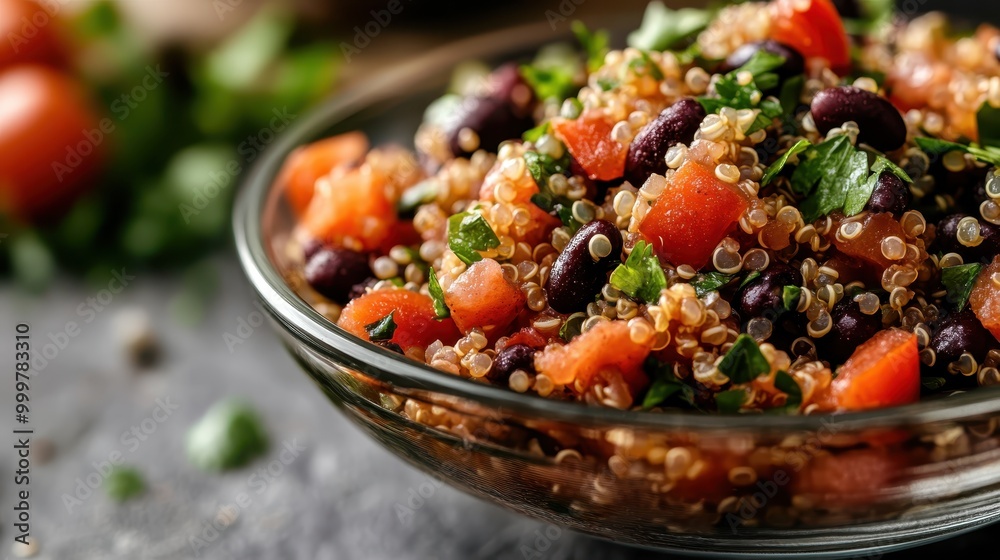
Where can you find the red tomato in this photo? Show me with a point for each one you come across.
(416, 323)
(885, 371)
(985, 298)
(814, 28)
(694, 213)
(352, 207)
(51, 142)
(28, 34)
(482, 297)
(588, 138)
(307, 164)
(588, 354)
(851, 478)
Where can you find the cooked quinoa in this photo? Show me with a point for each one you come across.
(764, 214)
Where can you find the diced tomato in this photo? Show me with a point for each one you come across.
(605, 346)
(814, 28)
(482, 297)
(867, 246)
(851, 478)
(588, 139)
(883, 372)
(350, 207)
(527, 336)
(307, 164)
(31, 34)
(416, 323)
(710, 481)
(985, 298)
(694, 213)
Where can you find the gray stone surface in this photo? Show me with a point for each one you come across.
(334, 500)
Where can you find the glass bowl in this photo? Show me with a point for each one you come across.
(825, 485)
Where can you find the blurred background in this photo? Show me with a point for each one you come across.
(125, 129)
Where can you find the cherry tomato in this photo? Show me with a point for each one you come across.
(814, 28)
(51, 142)
(28, 34)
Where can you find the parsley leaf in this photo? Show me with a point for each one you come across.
(730, 402)
(988, 121)
(859, 193)
(422, 193)
(383, 329)
(958, 281)
(933, 383)
(663, 28)
(646, 64)
(732, 94)
(790, 297)
(934, 146)
(640, 276)
(744, 362)
(762, 62)
(777, 166)
(124, 483)
(709, 282)
(533, 134)
(553, 73)
(787, 384)
(469, 233)
(572, 327)
(437, 295)
(542, 167)
(753, 275)
(665, 385)
(791, 94)
(595, 44)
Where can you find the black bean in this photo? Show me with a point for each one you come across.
(576, 277)
(511, 358)
(851, 327)
(958, 333)
(764, 293)
(504, 112)
(881, 125)
(946, 240)
(793, 66)
(891, 194)
(311, 247)
(361, 288)
(334, 272)
(675, 125)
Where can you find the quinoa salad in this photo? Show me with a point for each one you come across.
(787, 207)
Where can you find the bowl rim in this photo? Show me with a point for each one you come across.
(330, 341)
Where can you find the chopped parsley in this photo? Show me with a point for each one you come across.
(835, 175)
(468, 233)
(787, 384)
(665, 385)
(553, 73)
(709, 282)
(744, 362)
(732, 94)
(790, 297)
(534, 134)
(933, 383)
(755, 274)
(988, 121)
(791, 95)
(572, 327)
(646, 65)
(422, 193)
(383, 329)
(595, 44)
(959, 281)
(731, 401)
(228, 436)
(542, 167)
(640, 276)
(662, 28)
(934, 146)
(437, 295)
(124, 483)
(777, 166)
